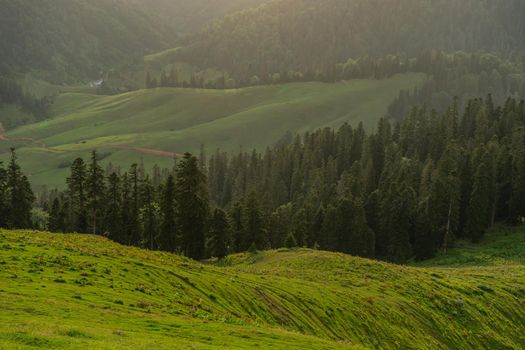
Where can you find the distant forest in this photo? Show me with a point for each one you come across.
(310, 37)
(406, 191)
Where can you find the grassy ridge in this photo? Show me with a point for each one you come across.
(54, 286)
(180, 120)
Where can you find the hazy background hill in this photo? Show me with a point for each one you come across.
(64, 41)
(309, 35)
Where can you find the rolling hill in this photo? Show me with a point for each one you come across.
(156, 123)
(54, 285)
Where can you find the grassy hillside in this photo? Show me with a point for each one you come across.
(152, 123)
(54, 286)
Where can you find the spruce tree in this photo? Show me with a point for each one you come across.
(112, 215)
(517, 202)
(56, 217)
(134, 205)
(76, 183)
(21, 196)
(253, 224)
(95, 188)
(219, 234)
(191, 197)
(149, 214)
(3, 197)
(167, 239)
(479, 209)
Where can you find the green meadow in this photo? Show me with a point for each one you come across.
(53, 287)
(156, 123)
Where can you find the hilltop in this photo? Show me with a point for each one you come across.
(277, 299)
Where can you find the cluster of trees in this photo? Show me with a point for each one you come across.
(406, 191)
(16, 196)
(131, 209)
(455, 73)
(312, 37)
(12, 93)
(460, 75)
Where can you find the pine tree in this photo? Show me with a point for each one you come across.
(191, 196)
(219, 234)
(3, 197)
(112, 215)
(167, 239)
(95, 188)
(479, 209)
(77, 196)
(56, 217)
(517, 202)
(236, 219)
(21, 196)
(149, 215)
(134, 205)
(253, 224)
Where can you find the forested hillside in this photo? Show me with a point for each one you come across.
(308, 36)
(64, 41)
(406, 191)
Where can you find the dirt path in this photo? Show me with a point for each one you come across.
(141, 150)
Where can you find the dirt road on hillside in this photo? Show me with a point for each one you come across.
(141, 150)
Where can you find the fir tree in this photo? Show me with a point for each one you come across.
(112, 215)
(95, 188)
(167, 239)
(21, 196)
(77, 196)
(56, 217)
(219, 234)
(254, 227)
(191, 196)
(479, 209)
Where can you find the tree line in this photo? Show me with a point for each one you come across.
(457, 73)
(407, 190)
(312, 37)
(12, 93)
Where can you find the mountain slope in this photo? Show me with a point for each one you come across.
(146, 122)
(63, 41)
(279, 299)
(310, 36)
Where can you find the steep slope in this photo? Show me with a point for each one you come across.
(309, 36)
(54, 286)
(152, 123)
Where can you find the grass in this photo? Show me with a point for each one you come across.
(179, 120)
(81, 291)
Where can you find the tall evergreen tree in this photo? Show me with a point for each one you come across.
(479, 210)
(95, 188)
(191, 196)
(219, 234)
(149, 214)
(3, 197)
(56, 217)
(517, 204)
(76, 184)
(21, 196)
(254, 227)
(112, 215)
(167, 239)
